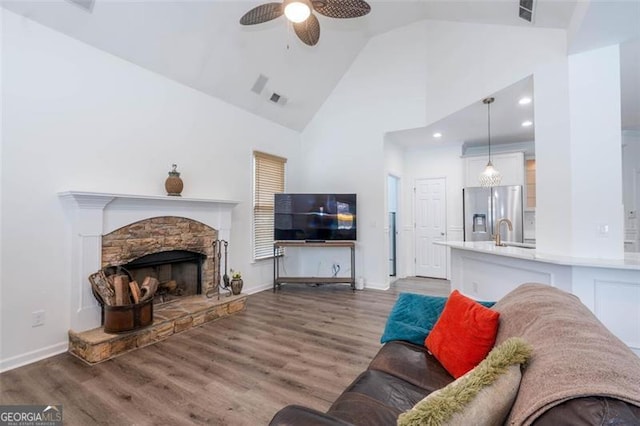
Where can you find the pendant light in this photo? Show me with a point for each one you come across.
(490, 176)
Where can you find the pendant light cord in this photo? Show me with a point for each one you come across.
(488, 102)
(489, 127)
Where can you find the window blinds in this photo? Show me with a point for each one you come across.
(269, 179)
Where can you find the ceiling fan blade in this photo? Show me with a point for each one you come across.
(308, 31)
(263, 13)
(342, 8)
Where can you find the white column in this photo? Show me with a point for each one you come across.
(596, 153)
(553, 159)
(87, 214)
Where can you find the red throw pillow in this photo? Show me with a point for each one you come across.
(463, 335)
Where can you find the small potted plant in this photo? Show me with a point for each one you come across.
(236, 282)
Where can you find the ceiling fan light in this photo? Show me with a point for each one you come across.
(297, 11)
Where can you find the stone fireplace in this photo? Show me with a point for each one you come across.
(119, 229)
(178, 251)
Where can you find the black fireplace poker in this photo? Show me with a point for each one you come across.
(219, 281)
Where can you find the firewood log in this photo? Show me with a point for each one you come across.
(170, 286)
(121, 286)
(102, 287)
(135, 291)
(148, 288)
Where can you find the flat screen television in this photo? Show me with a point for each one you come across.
(315, 217)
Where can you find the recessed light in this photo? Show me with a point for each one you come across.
(437, 135)
(525, 100)
(527, 123)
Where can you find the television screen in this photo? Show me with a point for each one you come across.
(315, 217)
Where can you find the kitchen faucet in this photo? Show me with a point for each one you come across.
(500, 222)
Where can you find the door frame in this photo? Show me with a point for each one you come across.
(398, 182)
(414, 227)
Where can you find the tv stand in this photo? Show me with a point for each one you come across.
(278, 280)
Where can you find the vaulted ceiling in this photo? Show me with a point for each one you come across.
(202, 45)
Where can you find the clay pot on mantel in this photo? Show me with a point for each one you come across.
(174, 183)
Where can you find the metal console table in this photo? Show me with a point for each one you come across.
(278, 280)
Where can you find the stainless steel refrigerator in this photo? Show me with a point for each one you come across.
(484, 207)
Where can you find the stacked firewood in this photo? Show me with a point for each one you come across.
(118, 290)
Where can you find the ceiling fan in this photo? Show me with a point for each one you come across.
(299, 12)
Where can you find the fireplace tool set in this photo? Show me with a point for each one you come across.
(220, 281)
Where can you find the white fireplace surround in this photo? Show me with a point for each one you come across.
(93, 214)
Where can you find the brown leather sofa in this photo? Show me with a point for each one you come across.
(402, 374)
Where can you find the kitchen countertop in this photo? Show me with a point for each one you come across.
(630, 261)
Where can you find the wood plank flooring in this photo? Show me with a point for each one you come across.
(302, 345)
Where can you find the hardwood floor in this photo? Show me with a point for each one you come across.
(302, 345)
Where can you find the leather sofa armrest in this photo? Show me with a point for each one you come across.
(296, 415)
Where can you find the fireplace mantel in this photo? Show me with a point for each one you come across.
(94, 214)
(101, 199)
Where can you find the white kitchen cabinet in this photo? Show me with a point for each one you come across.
(510, 165)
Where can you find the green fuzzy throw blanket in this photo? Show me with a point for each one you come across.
(440, 406)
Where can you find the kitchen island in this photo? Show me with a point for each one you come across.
(609, 287)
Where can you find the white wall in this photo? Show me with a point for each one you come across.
(76, 118)
(466, 62)
(343, 145)
(444, 65)
(1, 161)
(435, 162)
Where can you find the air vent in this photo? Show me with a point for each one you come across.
(84, 4)
(526, 10)
(258, 86)
(277, 98)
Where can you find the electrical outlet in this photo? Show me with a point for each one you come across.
(37, 318)
(603, 230)
(475, 287)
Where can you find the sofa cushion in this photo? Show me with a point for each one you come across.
(386, 389)
(463, 335)
(358, 409)
(591, 410)
(411, 363)
(413, 316)
(482, 397)
(375, 397)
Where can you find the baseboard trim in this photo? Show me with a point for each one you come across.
(258, 289)
(376, 286)
(33, 356)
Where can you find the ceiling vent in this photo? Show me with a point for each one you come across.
(258, 86)
(526, 10)
(276, 98)
(87, 5)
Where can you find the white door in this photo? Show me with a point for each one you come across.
(431, 259)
